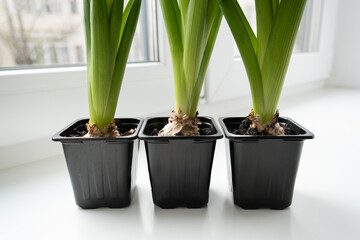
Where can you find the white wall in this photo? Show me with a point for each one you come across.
(29, 116)
(347, 48)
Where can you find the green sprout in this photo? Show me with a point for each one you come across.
(192, 28)
(266, 56)
(109, 33)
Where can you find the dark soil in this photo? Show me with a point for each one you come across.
(245, 130)
(80, 130)
(203, 131)
(154, 132)
(207, 131)
(290, 130)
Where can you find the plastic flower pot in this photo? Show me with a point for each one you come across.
(102, 170)
(179, 166)
(262, 169)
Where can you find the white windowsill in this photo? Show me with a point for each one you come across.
(37, 200)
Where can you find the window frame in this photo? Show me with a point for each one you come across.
(50, 78)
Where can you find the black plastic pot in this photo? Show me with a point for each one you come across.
(262, 169)
(179, 166)
(102, 170)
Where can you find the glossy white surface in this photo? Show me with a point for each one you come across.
(36, 200)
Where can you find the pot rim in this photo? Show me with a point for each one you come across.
(58, 138)
(306, 135)
(217, 135)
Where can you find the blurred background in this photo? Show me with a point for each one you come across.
(43, 71)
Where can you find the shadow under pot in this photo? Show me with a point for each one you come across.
(102, 169)
(262, 169)
(180, 166)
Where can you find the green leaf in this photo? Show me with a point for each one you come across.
(250, 32)
(109, 6)
(277, 26)
(121, 58)
(191, 28)
(87, 30)
(109, 34)
(170, 12)
(183, 10)
(275, 4)
(278, 53)
(86, 5)
(205, 62)
(264, 19)
(193, 42)
(115, 26)
(173, 26)
(100, 67)
(125, 16)
(212, 13)
(242, 36)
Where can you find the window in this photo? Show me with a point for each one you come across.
(308, 34)
(63, 53)
(145, 43)
(38, 54)
(73, 4)
(80, 54)
(52, 54)
(41, 33)
(52, 6)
